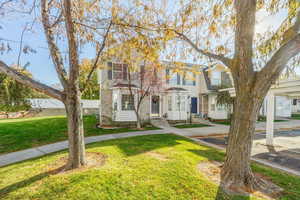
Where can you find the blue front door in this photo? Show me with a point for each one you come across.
(194, 105)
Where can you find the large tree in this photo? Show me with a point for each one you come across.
(68, 25)
(224, 32)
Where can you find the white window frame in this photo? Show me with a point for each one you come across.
(122, 71)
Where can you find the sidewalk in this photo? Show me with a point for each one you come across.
(18, 156)
(223, 129)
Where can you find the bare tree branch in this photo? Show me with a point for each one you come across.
(21, 45)
(54, 51)
(223, 59)
(58, 20)
(287, 51)
(97, 57)
(4, 68)
(279, 60)
(5, 2)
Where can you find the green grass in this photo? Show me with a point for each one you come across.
(296, 116)
(18, 134)
(130, 173)
(191, 125)
(222, 122)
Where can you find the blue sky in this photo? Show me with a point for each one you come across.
(41, 64)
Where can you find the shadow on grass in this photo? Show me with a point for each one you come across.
(141, 144)
(215, 155)
(129, 146)
(18, 185)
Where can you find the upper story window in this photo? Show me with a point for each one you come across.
(173, 78)
(189, 78)
(117, 71)
(215, 78)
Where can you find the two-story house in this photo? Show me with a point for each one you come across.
(177, 99)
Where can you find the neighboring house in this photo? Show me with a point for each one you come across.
(177, 99)
(214, 78)
(218, 78)
(52, 107)
(283, 104)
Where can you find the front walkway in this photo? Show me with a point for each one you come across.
(19, 156)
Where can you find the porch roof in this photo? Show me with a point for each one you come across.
(178, 89)
(124, 85)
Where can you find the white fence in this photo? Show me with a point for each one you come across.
(56, 104)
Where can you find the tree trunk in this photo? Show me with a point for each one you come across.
(138, 119)
(75, 131)
(236, 173)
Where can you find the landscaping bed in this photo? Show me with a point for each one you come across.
(191, 125)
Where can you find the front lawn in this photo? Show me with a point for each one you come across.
(18, 134)
(191, 125)
(144, 167)
(222, 122)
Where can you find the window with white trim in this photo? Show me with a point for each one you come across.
(117, 71)
(127, 102)
(216, 78)
(189, 78)
(169, 103)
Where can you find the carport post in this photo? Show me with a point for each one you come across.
(270, 118)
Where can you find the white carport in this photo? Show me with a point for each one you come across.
(288, 88)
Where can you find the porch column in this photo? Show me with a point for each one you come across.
(270, 118)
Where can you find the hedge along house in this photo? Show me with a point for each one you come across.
(177, 98)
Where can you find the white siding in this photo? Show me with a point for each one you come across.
(283, 106)
(214, 111)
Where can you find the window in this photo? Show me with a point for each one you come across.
(216, 78)
(213, 107)
(173, 78)
(117, 71)
(189, 78)
(127, 102)
(169, 103)
(295, 102)
(177, 103)
(167, 76)
(220, 107)
(182, 106)
(115, 102)
(180, 103)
